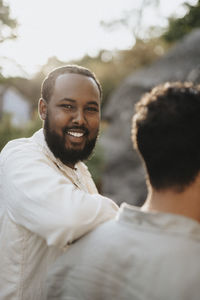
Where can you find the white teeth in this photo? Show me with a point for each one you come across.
(76, 134)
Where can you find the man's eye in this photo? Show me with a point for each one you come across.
(92, 109)
(67, 106)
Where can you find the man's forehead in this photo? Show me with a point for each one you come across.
(71, 82)
(75, 86)
(73, 78)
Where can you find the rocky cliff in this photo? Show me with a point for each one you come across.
(124, 178)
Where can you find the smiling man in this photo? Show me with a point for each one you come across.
(71, 118)
(47, 196)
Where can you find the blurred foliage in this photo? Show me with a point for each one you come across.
(7, 24)
(134, 20)
(96, 165)
(9, 132)
(178, 27)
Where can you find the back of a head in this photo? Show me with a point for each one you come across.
(166, 132)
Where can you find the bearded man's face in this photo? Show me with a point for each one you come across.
(72, 118)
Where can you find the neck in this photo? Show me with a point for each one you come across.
(186, 203)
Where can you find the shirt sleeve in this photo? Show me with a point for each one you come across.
(40, 198)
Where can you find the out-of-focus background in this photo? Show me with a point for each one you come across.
(130, 45)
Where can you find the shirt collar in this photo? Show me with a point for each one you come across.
(172, 223)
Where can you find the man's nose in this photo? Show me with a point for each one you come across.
(79, 117)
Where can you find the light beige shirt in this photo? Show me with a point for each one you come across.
(44, 206)
(137, 256)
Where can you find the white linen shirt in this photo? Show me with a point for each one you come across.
(44, 206)
(137, 256)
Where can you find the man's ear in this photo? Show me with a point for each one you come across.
(42, 109)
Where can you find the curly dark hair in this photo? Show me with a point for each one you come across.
(166, 133)
(49, 82)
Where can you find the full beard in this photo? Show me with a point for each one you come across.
(56, 144)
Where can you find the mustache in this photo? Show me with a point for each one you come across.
(83, 128)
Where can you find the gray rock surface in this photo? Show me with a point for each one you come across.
(124, 179)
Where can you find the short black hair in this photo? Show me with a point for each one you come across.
(49, 81)
(166, 132)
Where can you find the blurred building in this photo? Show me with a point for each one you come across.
(14, 104)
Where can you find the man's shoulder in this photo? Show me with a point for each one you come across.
(107, 235)
(19, 147)
(110, 232)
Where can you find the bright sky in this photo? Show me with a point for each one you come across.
(69, 29)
